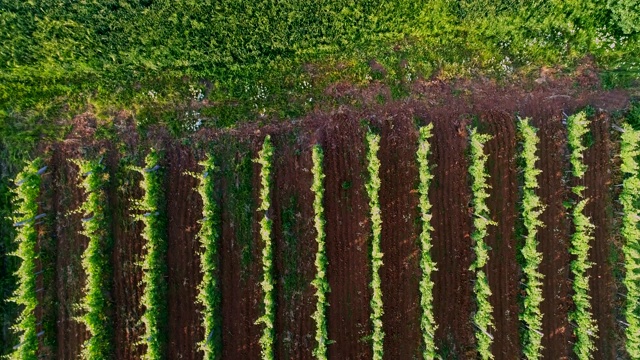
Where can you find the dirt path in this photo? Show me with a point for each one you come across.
(452, 247)
(502, 269)
(184, 208)
(401, 270)
(295, 246)
(348, 239)
(239, 253)
(601, 281)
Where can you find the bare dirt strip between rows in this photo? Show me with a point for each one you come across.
(295, 246)
(601, 280)
(348, 239)
(70, 277)
(127, 254)
(400, 227)
(184, 209)
(502, 269)
(554, 236)
(452, 247)
(240, 261)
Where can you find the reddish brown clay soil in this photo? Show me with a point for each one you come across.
(70, 277)
(502, 269)
(601, 281)
(127, 254)
(240, 279)
(348, 238)
(184, 209)
(295, 246)
(401, 270)
(452, 247)
(554, 236)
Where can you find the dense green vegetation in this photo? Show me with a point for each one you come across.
(373, 190)
(630, 200)
(96, 260)
(320, 282)
(531, 209)
(483, 317)
(268, 284)
(250, 56)
(25, 217)
(154, 264)
(209, 290)
(585, 328)
(427, 265)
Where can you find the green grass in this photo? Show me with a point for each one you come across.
(209, 293)
(57, 57)
(96, 260)
(268, 284)
(320, 282)
(483, 317)
(373, 190)
(154, 264)
(427, 265)
(585, 327)
(531, 209)
(27, 194)
(630, 199)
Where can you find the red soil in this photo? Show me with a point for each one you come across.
(554, 236)
(240, 284)
(401, 270)
(184, 209)
(452, 247)
(601, 280)
(70, 277)
(502, 269)
(295, 247)
(127, 254)
(348, 239)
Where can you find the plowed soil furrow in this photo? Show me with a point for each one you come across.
(127, 253)
(554, 237)
(70, 277)
(452, 247)
(401, 270)
(294, 238)
(184, 210)
(348, 239)
(502, 268)
(240, 267)
(601, 281)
